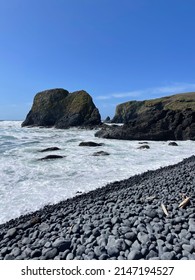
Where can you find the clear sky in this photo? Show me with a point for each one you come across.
(116, 50)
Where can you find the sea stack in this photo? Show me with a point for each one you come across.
(62, 109)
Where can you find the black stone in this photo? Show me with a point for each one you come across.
(51, 253)
(49, 149)
(168, 256)
(36, 253)
(173, 144)
(101, 153)
(61, 244)
(134, 255)
(90, 144)
(51, 157)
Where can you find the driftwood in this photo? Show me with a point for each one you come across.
(164, 209)
(184, 202)
(150, 198)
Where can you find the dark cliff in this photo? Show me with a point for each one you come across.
(166, 118)
(131, 110)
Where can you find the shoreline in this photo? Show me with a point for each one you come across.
(116, 221)
(108, 187)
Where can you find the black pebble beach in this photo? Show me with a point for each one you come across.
(124, 220)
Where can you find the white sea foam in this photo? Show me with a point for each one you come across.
(27, 184)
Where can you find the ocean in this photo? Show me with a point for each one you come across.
(27, 184)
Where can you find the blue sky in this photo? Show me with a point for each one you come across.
(116, 50)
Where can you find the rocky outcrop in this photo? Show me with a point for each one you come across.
(144, 147)
(59, 108)
(51, 157)
(168, 118)
(131, 110)
(49, 149)
(173, 144)
(161, 125)
(90, 144)
(101, 153)
(107, 120)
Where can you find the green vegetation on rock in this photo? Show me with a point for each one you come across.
(59, 108)
(166, 118)
(130, 110)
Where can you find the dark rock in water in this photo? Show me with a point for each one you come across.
(78, 192)
(107, 120)
(101, 153)
(173, 144)
(51, 157)
(144, 147)
(59, 108)
(50, 149)
(90, 144)
(167, 118)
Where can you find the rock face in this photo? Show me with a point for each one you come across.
(168, 118)
(59, 108)
(132, 110)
